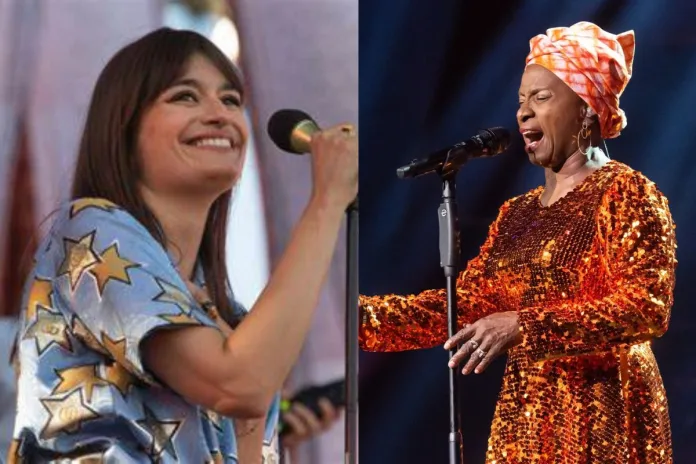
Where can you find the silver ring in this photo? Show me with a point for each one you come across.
(474, 344)
(481, 353)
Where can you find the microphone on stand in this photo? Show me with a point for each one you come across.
(488, 142)
(292, 130)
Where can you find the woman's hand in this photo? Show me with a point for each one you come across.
(335, 164)
(485, 340)
(304, 424)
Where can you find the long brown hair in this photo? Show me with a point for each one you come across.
(107, 164)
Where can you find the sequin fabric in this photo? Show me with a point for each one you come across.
(591, 277)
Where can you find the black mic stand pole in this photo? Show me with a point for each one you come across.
(352, 325)
(449, 260)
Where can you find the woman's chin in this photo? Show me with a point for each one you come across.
(539, 158)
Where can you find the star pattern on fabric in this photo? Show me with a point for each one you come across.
(79, 258)
(14, 455)
(214, 418)
(117, 349)
(162, 432)
(49, 328)
(111, 266)
(181, 319)
(94, 458)
(83, 377)
(39, 294)
(97, 203)
(269, 451)
(66, 414)
(82, 333)
(119, 377)
(172, 294)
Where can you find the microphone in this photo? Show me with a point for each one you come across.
(488, 142)
(291, 130)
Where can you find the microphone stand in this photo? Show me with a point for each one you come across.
(449, 261)
(352, 325)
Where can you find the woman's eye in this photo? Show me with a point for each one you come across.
(232, 100)
(184, 96)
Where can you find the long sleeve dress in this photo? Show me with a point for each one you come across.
(591, 278)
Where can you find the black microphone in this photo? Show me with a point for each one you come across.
(488, 142)
(292, 130)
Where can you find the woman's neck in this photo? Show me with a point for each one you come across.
(575, 169)
(183, 222)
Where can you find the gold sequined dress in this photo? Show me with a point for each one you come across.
(591, 277)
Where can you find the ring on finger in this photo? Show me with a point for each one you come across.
(348, 130)
(474, 344)
(480, 353)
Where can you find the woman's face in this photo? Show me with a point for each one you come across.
(550, 117)
(192, 138)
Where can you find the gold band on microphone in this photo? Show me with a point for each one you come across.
(301, 136)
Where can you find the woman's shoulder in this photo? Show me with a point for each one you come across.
(622, 177)
(89, 215)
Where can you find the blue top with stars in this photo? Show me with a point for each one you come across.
(101, 283)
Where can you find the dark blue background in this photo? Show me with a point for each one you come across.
(431, 74)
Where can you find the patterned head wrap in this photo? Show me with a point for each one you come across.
(597, 65)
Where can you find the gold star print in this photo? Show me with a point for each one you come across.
(83, 376)
(162, 433)
(83, 334)
(84, 203)
(117, 350)
(94, 458)
(79, 257)
(119, 377)
(39, 294)
(172, 294)
(214, 419)
(13, 454)
(66, 414)
(111, 266)
(181, 318)
(48, 328)
(269, 451)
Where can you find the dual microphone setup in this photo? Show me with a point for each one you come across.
(292, 130)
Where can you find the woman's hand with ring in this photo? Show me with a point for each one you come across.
(484, 340)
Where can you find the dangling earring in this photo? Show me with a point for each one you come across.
(585, 133)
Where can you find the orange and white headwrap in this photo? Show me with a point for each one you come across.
(597, 65)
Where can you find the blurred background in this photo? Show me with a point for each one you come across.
(294, 54)
(431, 76)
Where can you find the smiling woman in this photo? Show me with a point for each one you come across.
(132, 347)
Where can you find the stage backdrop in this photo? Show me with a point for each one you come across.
(430, 76)
(303, 54)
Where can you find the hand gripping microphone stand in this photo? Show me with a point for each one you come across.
(292, 131)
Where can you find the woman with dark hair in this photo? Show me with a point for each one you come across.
(573, 282)
(132, 348)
